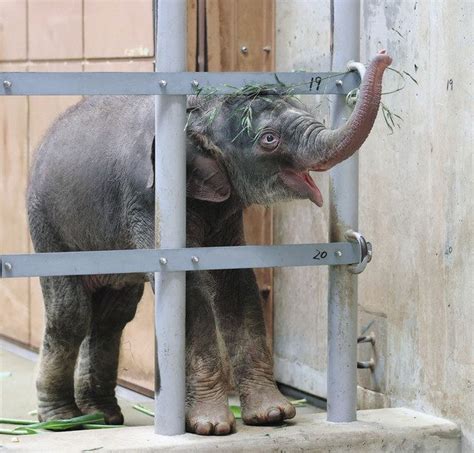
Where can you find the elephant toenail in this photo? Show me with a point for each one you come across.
(203, 429)
(274, 415)
(290, 412)
(222, 429)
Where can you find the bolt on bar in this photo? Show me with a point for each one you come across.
(344, 190)
(170, 222)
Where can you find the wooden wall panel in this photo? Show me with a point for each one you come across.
(44, 109)
(118, 28)
(12, 30)
(119, 66)
(36, 321)
(137, 354)
(256, 37)
(192, 34)
(221, 35)
(55, 29)
(14, 319)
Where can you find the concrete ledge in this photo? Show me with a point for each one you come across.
(388, 430)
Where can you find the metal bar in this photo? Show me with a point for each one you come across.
(170, 222)
(183, 259)
(170, 83)
(344, 184)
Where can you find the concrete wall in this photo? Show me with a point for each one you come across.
(416, 206)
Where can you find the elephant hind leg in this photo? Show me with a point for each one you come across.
(96, 374)
(67, 318)
(68, 310)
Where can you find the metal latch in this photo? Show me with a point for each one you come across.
(365, 251)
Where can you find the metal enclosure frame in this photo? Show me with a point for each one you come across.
(172, 259)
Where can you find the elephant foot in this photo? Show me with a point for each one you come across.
(265, 405)
(209, 418)
(111, 410)
(57, 411)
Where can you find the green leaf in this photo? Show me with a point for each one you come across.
(143, 409)
(99, 426)
(236, 411)
(213, 114)
(15, 421)
(411, 77)
(21, 431)
(70, 423)
(299, 403)
(400, 87)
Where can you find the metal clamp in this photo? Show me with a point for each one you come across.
(365, 251)
(358, 67)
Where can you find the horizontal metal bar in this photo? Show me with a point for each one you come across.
(186, 259)
(143, 83)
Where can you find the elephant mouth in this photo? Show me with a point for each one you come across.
(302, 183)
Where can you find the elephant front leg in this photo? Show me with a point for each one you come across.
(96, 374)
(207, 409)
(240, 319)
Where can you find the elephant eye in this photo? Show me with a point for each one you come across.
(269, 140)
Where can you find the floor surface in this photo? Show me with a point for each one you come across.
(389, 430)
(18, 394)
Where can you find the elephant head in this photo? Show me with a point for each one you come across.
(261, 148)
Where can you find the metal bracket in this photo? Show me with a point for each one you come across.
(365, 251)
(370, 364)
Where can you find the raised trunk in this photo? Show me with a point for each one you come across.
(334, 146)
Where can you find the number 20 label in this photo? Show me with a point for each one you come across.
(320, 255)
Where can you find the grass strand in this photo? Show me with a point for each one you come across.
(143, 410)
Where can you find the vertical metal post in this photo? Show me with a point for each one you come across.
(344, 195)
(170, 221)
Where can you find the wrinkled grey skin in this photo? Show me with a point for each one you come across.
(91, 188)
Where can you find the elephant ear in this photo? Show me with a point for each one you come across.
(207, 180)
(151, 169)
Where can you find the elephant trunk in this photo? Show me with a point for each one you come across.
(334, 146)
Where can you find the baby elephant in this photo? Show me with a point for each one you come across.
(91, 188)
